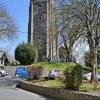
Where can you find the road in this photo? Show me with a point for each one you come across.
(8, 91)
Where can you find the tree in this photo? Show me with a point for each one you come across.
(7, 25)
(87, 59)
(98, 57)
(84, 18)
(66, 29)
(25, 53)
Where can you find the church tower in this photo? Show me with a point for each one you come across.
(41, 28)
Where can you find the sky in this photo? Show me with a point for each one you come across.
(19, 10)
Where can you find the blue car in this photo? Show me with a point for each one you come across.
(21, 72)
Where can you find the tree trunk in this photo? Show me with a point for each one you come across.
(68, 55)
(68, 49)
(92, 60)
(36, 57)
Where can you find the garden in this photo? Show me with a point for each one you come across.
(70, 77)
(55, 74)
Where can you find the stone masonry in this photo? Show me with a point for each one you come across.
(41, 30)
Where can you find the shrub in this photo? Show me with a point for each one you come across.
(25, 53)
(61, 77)
(73, 76)
(35, 72)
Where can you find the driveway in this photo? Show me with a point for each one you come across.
(9, 92)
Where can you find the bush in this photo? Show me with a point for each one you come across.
(61, 77)
(35, 72)
(25, 53)
(73, 76)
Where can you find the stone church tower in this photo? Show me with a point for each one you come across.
(41, 29)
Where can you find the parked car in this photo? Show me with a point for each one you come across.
(54, 73)
(88, 76)
(21, 72)
(3, 72)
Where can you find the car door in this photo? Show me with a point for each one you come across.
(24, 72)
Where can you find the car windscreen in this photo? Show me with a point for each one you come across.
(22, 69)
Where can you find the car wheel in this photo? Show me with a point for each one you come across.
(0, 74)
(17, 76)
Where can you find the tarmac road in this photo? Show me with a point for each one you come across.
(9, 92)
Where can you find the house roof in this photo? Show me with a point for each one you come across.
(1, 53)
(10, 58)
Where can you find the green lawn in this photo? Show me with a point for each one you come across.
(57, 65)
(53, 65)
(62, 66)
(90, 86)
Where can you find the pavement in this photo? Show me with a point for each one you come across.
(8, 91)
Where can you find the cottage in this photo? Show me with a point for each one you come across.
(2, 58)
(6, 59)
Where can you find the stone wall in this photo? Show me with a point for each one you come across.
(59, 94)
